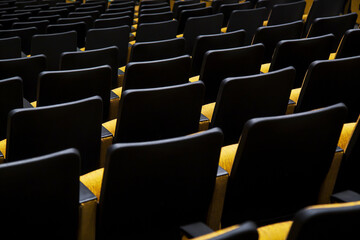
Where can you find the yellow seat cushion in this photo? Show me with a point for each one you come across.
(3, 147)
(93, 181)
(276, 231)
(224, 29)
(265, 67)
(194, 79)
(135, 26)
(110, 126)
(332, 56)
(117, 91)
(227, 156)
(346, 134)
(217, 233)
(82, 49)
(208, 110)
(265, 23)
(294, 95)
(34, 104)
(180, 35)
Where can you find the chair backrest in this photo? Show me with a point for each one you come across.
(331, 81)
(164, 30)
(285, 13)
(242, 98)
(99, 8)
(348, 46)
(183, 7)
(155, 17)
(156, 50)
(88, 20)
(179, 175)
(79, 27)
(300, 53)
(204, 43)
(249, 20)
(157, 73)
(29, 73)
(93, 58)
(122, 5)
(120, 10)
(8, 22)
(336, 25)
(62, 12)
(217, 3)
(10, 47)
(115, 15)
(51, 18)
(24, 33)
(52, 46)
(269, 4)
(43, 6)
(40, 25)
(21, 16)
(113, 22)
(306, 144)
(188, 13)
(94, 14)
(75, 124)
(232, 62)
(63, 86)
(166, 106)
(227, 9)
(105, 37)
(48, 195)
(332, 221)
(11, 97)
(177, 4)
(196, 26)
(271, 35)
(155, 10)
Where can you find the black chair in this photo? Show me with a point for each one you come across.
(183, 7)
(21, 16)
(285, 13)
(166, 106)
(217, 3)
(120, 10)
(69, 7)
(156, 50)
(155, 17)
(99, 8)
(348, 46)
(227, 9)
(40, 25)
(75, 124)
(93, 58)
(232, 62)
(300, 53)
(243, 98)
(277, 189)
(9, 9)
(25, 34)
(51, 18)
(55, 87)
(94, 14)
(336, 25)
(269, 4)
(79, 27)
(271, 35)
(10, 47)
(8, 22)
(196, 26)
(204, 43)
(33, 11)
(331, 81)
(187, 164)
(62, 12)
(122, 5)
(52, 46)
(164, 30)
(43, 6)
(48, 195)
(179, 3)
(249, 20)
(89, 21)
(155, 10)
(113, 22)
(28, 69)
(188, 13)
(107, 37)
(11, 97)
(157, 73)
(116, 15)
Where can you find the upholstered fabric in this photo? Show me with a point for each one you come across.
(87, 221)
(332, 56)
(93, 181)
(335, 205)
(105, 144)
(276, 231)
(194, 79)
(346, 134)
(208, 110)
(265, 23)
(294, 95)
(265, 67)
(3, 147)
(34, 104)
(224, 29)
(110, 126)
(227, 157)
(217, 233)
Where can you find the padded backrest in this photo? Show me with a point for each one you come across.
(177, 4)
(167, 183)
(164, 30)
(149, 51)
(51, 18)
(227, 9)
(157, 73)
(303, 146)
(10, 47)
(62, 12)
(120, 10)
(271, 35)
(7, 23)
(155, 10)
(105, 37)
(122, 5)
(93, 58)
(232, 62)
(115, 15)
(40, 25)
(203, 43)
(242, 98)
(188, 13)
(99, 8)
(217, 3)
(52, 46)
(336, 25)
(70, 85)
(29, 73)
(285, 13)
(249, 20)
(88, 20)
(94, 14)
(269, 4)
(333, 222)
(79, 27)
(113, 22)
(42, 130)
(172, 114)
(11, 97)
(24, 33)
(349, 46)
(331, 81)
(23, 16)
(155, 17)
(46, 196)
(183, 7)
(300, 53)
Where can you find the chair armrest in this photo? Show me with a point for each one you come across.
(194, 230)
(345, 196)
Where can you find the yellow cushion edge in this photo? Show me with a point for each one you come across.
(93, 181)
(227, 157)
(276, 231)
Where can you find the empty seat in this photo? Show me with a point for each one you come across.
(113, 22)
(348, 46)
(40, 25)
(227, 10)
(25, 34)
(10, 47)
(188, 13)
(164, 30)
(89, 21)
(79, 27)
(285, 13)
